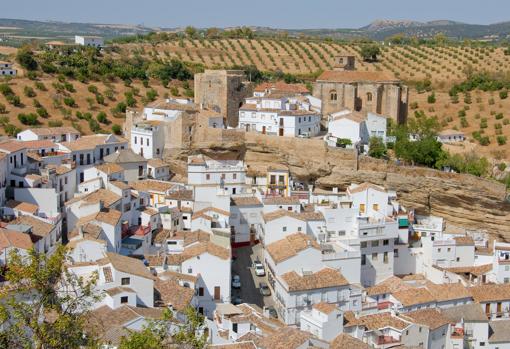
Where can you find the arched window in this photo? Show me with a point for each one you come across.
(332, 95)
(369, 97)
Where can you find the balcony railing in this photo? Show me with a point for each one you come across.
(387, 340)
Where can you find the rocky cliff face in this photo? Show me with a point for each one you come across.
(462, 200)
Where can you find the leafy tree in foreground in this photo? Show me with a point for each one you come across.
(44, 305)
(157, 335)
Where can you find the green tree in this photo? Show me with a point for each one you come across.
(153, 336)
(193, 332)
(343, 142)
(25, 58)
(191, 32)
(116, 129)
(369, 52)
(45, 305)
(377, 148)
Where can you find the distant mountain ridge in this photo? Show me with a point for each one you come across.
(379, 29)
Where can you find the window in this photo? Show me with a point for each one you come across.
(385, 258)
(190, 270)
(332, 95)
(299, 229)
(458, 259)
(386, 242)
(207, 176)
(135, 140)
(362, 208)
(438, 250)
(375, 243)
(449, 249)
(123, 299)
(374, 256)
(369, 97)
(395, 253)
(363, 244)
(419, 329)
(147, 141)
(201, 291)
(284, 229)
(363, 259)
(234, 176)
(125, 281)
(375, 207)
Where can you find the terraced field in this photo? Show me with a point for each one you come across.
(442, 65)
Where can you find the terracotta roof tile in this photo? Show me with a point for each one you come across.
(198, 249)
(345, 341)
(12, 238)
(151, 185)
(245, 201)
(326, 308)
(109, 216)
(432, 318)
(379, 321)
(109, 168)
(365, 186)
(282, 200)
(40, 229)
(290, 246)
(414, 296)
(324, 278)
(22, 206)
(53, 131)
(126, 264)
(170, 292)
(490, 292)
(286, 338)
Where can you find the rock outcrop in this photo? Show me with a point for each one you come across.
(463, 200)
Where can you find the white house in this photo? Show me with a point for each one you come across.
(227, 175)
(55, 134)
(168, 109)
(93, 41)
(7, 69)
(347, 127)
(297, 291)
(376, 125)
(148, 139)
(245, 218)
(90, 150)
(279, 114)
(211, 264)
(158, 169)
(12, 240)
(324, 320)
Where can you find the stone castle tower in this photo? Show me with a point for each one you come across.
(364, 91)
(222, 91)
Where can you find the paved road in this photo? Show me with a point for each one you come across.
(242, 266)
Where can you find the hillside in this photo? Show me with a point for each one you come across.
(442, 65)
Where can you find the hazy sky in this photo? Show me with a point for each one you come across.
(274, 13)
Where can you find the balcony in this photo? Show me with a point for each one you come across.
(383, 340)
(19, 171)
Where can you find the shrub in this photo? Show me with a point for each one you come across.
(501, 140)
(151, 95)
(28, 119)
(69, 87)
(43, 113)
(99, 98)
(499, 116)
(503, 94)
(462, 113)
(25, 58)
(120, 108)
(92, 89)
(40, 86)
(116, 129)
(69, 101)
(502, 166)
(130, 100)
(11, 130)
(484, 140)
(431, 99)
(29, 91)
(3, 108)
(94, 125)
(506, 122)
(101, 117)
(14, 100)
(463, 123)
(174, 91)
(55, 123)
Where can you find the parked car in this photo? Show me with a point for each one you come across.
(237, 300)
(272, 312)
(236, 281)
(264, 289)
(259, 268)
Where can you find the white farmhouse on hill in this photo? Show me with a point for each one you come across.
(92, 41)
